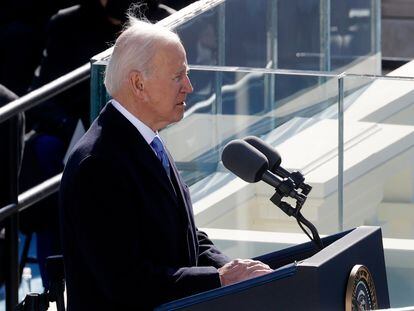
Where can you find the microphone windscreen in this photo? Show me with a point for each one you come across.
(244, 160)
(271, 154)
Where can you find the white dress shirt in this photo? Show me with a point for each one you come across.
(145, 131)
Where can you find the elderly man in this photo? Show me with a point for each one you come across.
(129, 238)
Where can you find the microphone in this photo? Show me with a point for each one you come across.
(244, 161)
(251, 165)
(251, 162)
(271, 154)
(274, 163)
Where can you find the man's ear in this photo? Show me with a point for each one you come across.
(136, 82)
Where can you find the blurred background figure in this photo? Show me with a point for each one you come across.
(22, 27)
(7, 96)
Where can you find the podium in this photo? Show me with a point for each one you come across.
(305, 279)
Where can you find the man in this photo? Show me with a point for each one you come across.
(129, 238)
(75, 34)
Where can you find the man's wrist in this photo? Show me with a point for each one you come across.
(220, 276)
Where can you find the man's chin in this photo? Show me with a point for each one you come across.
(181, 106)
(179, 113)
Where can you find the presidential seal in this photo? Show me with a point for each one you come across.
(360, 291)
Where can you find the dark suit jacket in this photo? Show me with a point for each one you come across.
(129, 241)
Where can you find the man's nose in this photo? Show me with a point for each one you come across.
(188, 87)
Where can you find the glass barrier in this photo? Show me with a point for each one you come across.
(233, 103)
(378, 153)
(378, 174)
(331, 35)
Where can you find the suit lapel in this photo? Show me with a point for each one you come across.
(191, 233)
(176, 176)
(179, 188)
(127, 134)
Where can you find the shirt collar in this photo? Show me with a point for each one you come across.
(145, 131)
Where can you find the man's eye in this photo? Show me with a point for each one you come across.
(181, 76)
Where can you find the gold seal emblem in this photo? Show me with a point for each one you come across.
(360, 291)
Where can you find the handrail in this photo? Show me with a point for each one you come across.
(32, 196)
(45, 92)
(7, 211)
(39, 192)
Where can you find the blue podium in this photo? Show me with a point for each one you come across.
(349, 271)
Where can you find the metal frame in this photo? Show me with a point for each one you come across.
(341, 153)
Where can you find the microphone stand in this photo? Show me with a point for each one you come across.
(299, 179)
(286, 188)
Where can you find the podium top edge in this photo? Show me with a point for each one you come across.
(352, 237)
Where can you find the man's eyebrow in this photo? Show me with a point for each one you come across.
(184, 70)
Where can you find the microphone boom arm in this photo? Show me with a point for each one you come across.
(295, 212)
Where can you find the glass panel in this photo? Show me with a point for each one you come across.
(379, 136)
(300, 124)
(331, 35)
(379, 171)
(355, 36)
(299, 43)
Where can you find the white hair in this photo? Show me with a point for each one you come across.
(134, 50)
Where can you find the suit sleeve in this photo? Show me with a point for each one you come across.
(210, 255)
(114, 255)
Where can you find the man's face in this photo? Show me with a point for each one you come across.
(167, 86)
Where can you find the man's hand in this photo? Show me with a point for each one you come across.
(242, 269)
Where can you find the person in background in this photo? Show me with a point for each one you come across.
(23, 28)
(128, 232)
(7, 96)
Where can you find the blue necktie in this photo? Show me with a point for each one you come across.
(156, 144)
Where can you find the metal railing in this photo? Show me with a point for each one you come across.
(17, 203)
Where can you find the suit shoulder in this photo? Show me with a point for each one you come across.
(87, 145)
